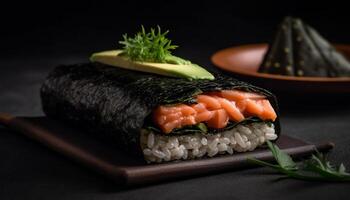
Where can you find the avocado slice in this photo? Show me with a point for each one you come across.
(187, 70)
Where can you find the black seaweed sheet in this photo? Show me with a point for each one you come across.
(298, 50)
(115, 102)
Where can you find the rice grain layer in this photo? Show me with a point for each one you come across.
(160, 148)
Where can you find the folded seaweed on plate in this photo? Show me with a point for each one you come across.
(160, 106)
(299, 50)
(131, 108)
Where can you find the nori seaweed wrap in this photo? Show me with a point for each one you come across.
(118, 104)
(299, 50)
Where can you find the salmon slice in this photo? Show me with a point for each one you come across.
(231, 109)
(219, 120)
(241, 105)
(253, 107)
(158, 116)
(186, 110)
(269, 112)
(172, 117)
(209, 102)
(204, 116)
(168, 127)
(167, 109)
(236, 95)
(199, 107)
(159, 119)
(215, 109)
(189, 120)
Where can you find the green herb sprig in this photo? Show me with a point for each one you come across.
(317, 168)
(151, 46)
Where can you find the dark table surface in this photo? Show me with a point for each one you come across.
(31, 171)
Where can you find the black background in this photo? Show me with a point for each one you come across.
(36, 36)
(59, 27)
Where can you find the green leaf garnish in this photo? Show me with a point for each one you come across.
(151, 46)
(317, 168)
(283, 159)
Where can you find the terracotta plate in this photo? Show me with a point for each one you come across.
(244, 61)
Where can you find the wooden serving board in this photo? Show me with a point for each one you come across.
(105, 158)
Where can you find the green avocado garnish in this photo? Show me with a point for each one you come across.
(151, 52)
(189, 71)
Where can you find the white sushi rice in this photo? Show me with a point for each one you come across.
(160, 148)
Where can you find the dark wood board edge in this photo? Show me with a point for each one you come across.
(5, 118)
(135, 175)
(206, 166)
(56, 144)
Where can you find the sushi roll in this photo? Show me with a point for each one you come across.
(161, 113)
(162, 118)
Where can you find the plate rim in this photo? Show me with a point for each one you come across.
(216, 59)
